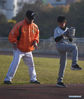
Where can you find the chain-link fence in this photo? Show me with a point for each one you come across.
(46, 46)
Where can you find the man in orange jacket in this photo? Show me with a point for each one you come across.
(24, 37)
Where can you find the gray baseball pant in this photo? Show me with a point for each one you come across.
(63, 48)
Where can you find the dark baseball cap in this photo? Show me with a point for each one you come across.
(30, 14)
(61, 19)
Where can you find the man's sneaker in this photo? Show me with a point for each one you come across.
(76, 67)
(35, 82)
(7, 82)
(61, 85)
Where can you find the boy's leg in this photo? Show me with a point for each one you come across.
(13, 66)
(61, 47)
(74, 55)
(28, 59)
(63, 58)
(73, 48)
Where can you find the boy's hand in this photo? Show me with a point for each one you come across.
(66, 33)
(71, 32)
(70, 39)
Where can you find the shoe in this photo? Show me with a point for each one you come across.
(35, 82)
(76, 67)
(7, 82)
(60, 85)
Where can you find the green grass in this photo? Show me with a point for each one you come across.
(46, 68)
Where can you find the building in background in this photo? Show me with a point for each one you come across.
(55, 2)
(59, 2)
(72, 1)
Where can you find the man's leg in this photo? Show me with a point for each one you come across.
(13, 67)
(28, 59)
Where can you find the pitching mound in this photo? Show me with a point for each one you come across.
(41, 92)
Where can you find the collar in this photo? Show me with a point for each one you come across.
(26, 22)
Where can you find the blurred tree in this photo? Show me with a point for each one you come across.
(75, 16)
(5, 27)
(3, 19)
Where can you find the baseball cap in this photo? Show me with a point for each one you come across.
(61, 19)
(30, 14)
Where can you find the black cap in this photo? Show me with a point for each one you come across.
(61, 19)
(30, 14)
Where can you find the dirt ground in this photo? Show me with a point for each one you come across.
(41, 92)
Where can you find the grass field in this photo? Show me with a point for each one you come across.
(46, 68)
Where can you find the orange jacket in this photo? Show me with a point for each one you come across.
(29, 33)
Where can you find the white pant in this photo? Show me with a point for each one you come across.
(27, 58)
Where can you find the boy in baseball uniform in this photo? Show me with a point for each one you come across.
(63, 46)
(24, 38)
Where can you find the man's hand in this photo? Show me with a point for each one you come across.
(35, 44)
(14, 46)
